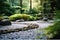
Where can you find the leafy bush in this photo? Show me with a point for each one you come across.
(53, 31)
(15, 17)
(38, 16)
(26, 17)
(5, 17)
(57, 14)
(30, 18)
(5, 8)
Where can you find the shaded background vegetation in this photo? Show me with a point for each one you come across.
(14, 10)
(54, 30)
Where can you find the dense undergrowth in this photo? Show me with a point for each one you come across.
(25, 17)
(54, 30)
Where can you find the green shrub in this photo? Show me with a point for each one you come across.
(53, 31)
(26, 17)
(15, 17)
(5, 17)
(57, 15)
(30, 18)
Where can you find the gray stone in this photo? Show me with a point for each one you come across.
(5, 22)
(21, 20)
(17, 20)
(45, 19)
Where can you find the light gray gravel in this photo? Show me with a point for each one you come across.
(27, 35)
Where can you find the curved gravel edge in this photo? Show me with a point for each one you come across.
(31, 26)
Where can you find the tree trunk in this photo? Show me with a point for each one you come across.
(21, 5)
(30, 6)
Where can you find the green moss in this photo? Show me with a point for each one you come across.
(26, 17)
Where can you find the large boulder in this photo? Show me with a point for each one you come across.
(5, 22)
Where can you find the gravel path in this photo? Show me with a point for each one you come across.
(33, 34)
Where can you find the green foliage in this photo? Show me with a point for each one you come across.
(15, 17)
(26, 17)
(9, 7)
(53, 31)
(35, 11)
(5, 8)
(58, 4)
(57, 14)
